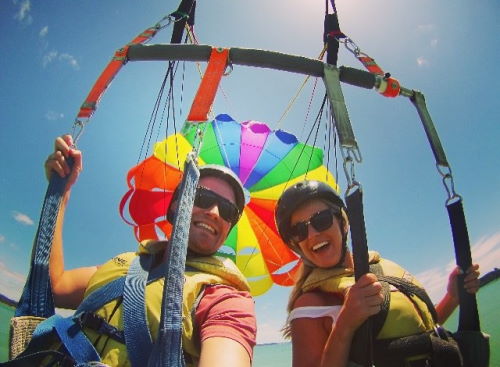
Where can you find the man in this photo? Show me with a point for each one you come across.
(218, 311)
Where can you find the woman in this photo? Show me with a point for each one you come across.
(327, 306)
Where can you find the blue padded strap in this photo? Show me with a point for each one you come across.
(167, 351)
(76, 342)
(137, 335)
(37, 299)
(71, 335)
(101, 296)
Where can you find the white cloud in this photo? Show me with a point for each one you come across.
(422, 61)
(486, 252)
(11, 283)
(44, 31)
(22, 218)
(63, 57)
(48, 58)
(70, 60)
(53, 115)
(268, 333)
(23, 14)
(425, 28)
(434, 42)
(2, 238)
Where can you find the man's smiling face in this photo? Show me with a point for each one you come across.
(208, 230)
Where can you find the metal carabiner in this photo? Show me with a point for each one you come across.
(350, 45)
(348, 166)
(170, 19)
(448, 183)
(77, 130)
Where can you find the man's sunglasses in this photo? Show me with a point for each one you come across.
(206, 198)
(320, 221)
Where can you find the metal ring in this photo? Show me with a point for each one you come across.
(449, 185)
(229, 69)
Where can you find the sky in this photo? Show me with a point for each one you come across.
(54, 50)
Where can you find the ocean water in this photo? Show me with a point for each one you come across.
(280, 355)
(6, 312)
(273, 355)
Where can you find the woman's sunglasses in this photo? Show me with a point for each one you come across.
(206, 198)
(320, 221)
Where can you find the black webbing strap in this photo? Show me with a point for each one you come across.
(184, 14)
(37, 299)
(331, 31)
(409, 289)
(378, 320)
(167, 351)
(362, 346)
(354, 202)
(468, 315)
(402, 285)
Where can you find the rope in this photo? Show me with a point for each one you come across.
(294, 98)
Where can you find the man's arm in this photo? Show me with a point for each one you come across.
(68, 286)
(227, 327)
(219, 351)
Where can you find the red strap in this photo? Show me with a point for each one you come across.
(391, 87)
(89, 106)
(209, 84)
(370, 65)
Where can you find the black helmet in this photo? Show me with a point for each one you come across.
(298, 194)
(223, 173)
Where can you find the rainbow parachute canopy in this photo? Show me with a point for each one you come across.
(266, 161)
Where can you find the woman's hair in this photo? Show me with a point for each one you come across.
(304, 271)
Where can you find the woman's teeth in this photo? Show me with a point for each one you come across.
(319, 246)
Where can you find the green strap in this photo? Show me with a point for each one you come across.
(339, 110)
(437, 148)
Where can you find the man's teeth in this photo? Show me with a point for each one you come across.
(319, 245)
(206, 226)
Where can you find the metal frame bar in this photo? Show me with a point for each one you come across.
(250, 57)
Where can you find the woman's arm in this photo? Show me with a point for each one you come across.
(362, 300)
(309, 335)
(450, 300)
(316, 343)
(68, 286)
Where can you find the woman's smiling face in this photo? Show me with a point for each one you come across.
(324, 248)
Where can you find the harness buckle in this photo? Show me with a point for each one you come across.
(440, 332)
(88, 319)
(100, 325)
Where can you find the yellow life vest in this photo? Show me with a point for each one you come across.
(201, 271)
(406, 315)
